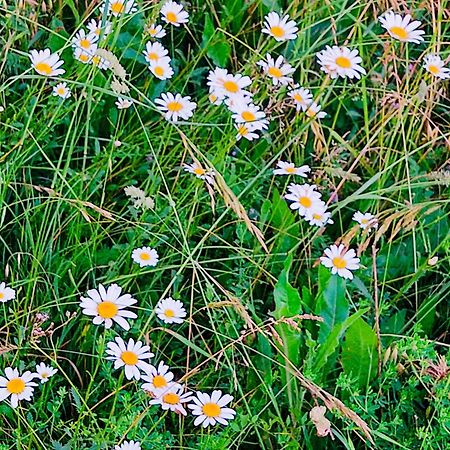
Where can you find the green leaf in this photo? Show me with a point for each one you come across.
(331, 303)
(217, 47)
(334, 338)
(359, 355)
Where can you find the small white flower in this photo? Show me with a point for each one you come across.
(44, 372)
(108, 305)
(130, 355)
(85, 56)
(154, 51)
(18, 387)
(340, 261)
(174, 14)
(216, 98)
(304, 198)
(119, 7)
(6, 293)
(401, 28)
(46, 63)
(302, 98)
(175, 106)
(157, 378)
(145, 256)
(84, 41)
(340, 62)
(319, 216)
(225, 84)
(434, 64)
(123, 103)
(280, 28)
(128, 445)
(200, 172)
(95, 26)
(171, 398)
(314, 111)
(246, 131)
(61, 90)
(210, 409)
(170, 311)
(161, 68)
(155, 31)
(277, 69)
(288, 168)
(365, 220)
(248, 113)
(100, 62)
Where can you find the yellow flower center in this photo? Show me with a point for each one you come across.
(290, 169)
(84, 57)
(174, 106)
(243, 130)
(171, 17)
(310, 112)
(152, 55)
(96, 60)
(248, 116)
(277, 31)
(43, 68)
(344, 62)
(211, 410)
(364, 221)
(97, 31)
(152, 31)
(317, 216)
(159, 71)
(339, 262)
(159, 381)
(399, 32)
(129, 358)
(169, 313)
(231, 86)
(15, 386)
(107, 310)
(145, 256)
(2, 295)
(433, 69)
(171, 398)
(44, 375)
(61, 91)
(212, 98)
(305, 202)
(298, 98)
(275, 72)
(117, 7)
(85, 43)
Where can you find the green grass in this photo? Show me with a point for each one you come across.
(66, 225)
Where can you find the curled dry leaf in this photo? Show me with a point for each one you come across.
(322, 424)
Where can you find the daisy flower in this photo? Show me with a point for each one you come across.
(108, 305)
(161, 68)
(131, 356)
(200, 172)
(100, 62)
(119, 7)
(44, 372)
(128, 445)
(174, 14)
(401, 28)
(288, 168)
(216, 98)
(280, 28)
(175, 106)
(6, 293)
(145, 256)
(304, 198)
(171, 398)
(95, 27)
(247, 131)
(46, 63)
(155, 31)
(18, 387)
(210, 409)
(314, 111)
(434, 64)
(85, 41)
(248, 113)
(61, 90)
(277, 69)
(365, 220)
(340, 261)
(226, 84)
(302, 98)
(319, 217)
(340, 62)
(85, 56)
(154, 51)
(157, 378)
(170, 310)
(123, 103)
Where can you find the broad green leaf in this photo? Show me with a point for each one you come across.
(332, 304)
(217, 47)
(359, 355)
